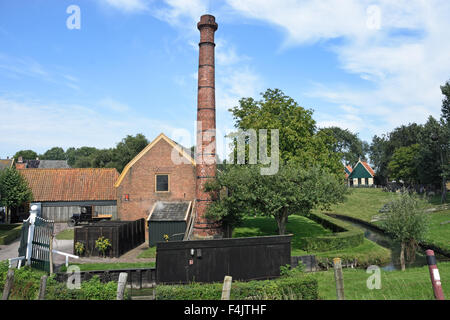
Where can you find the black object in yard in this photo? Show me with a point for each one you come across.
(253, 258)
(123, 236)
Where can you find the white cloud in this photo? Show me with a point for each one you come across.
(39, 125)
(113, 105)
(401, 64)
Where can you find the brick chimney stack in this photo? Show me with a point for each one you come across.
(206, 126)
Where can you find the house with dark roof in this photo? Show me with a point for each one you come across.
(41, 164)
(61, 192)
(361, 175)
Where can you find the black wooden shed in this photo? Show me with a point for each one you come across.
(168, 218)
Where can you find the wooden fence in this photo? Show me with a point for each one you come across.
(123, 236)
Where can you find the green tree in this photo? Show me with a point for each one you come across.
(128, 148)
(407, 223)
(80, 157)
(55, 153)
(26, 155)
(445, 89)
(232, 195)
(14, 190)
(348, 145)
(299, 139)
(293, 190)
(404, 164)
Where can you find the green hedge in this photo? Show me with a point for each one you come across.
(302, 287)
(344, 235)
(27, 282)
(12, 232)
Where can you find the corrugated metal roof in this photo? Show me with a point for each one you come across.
(71, 184)
(170, 211)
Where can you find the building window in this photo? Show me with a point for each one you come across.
(367, 181)
(162, 182)
(359, 181)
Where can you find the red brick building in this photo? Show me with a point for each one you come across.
(153, 176)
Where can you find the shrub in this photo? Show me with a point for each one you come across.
(79, 248)
(299, 287)
(102, 244)
(344, 236)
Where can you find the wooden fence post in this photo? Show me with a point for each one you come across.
(8, 284)
(339, 278)
(42, 287)
(51, 254)
(121, 285)
(226, 289)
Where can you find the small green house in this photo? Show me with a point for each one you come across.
(361, 175)
(168, 220)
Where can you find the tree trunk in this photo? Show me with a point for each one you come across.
(402, 256)
(281, 219)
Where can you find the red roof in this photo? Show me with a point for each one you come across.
(83, 184)
(366, 165)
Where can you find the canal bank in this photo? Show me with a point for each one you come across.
(379, 236)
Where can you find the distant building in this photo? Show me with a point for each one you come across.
(360, 175)
(41, 164)
(6, 163)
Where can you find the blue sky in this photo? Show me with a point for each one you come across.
(131, 68)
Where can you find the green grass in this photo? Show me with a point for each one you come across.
(67, 234)
(412, 284)
(110, 266)
(148, 253)
(9, 233)
(367, 253)
(439, 234)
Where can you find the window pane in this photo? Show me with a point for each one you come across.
(162, 182)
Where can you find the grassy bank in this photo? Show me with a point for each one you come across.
(412, 284)
(9, 233)
(367, 253)
(67, 234)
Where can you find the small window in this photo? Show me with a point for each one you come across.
(367, 181)
(162, 183)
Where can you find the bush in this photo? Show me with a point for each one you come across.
(299, 287)
(344, 236)
(27, 282)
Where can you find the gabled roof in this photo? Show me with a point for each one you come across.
(6, 163)
(360, 168)
(366, 165)
(183, 151)
(81, 184)
(347, 170)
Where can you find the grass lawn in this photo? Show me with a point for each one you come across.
(148, 253)
(412, 284)
(300, 227)
(67, 234)
(439, 234)
(110, 266)
(9, 233)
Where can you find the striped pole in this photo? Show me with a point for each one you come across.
(434, 274)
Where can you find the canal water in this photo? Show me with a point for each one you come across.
(387, 242)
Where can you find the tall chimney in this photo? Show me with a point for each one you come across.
(206, 127)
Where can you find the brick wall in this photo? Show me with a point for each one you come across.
(139, 183)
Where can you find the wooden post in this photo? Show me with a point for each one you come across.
(8, 284)
(434, 275)
(51, 254)
(226, 289)
(339, 278)
(42, 287)
(121, 285)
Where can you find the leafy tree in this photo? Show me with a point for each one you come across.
(26, 155)
(404, 164)
(55, 153)
(232, 194)
(407, 223)
(128, 148)
(446, 102)
(348, 145)
(79, 157)
(14, 190)
(299, 140)
(293, 190)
